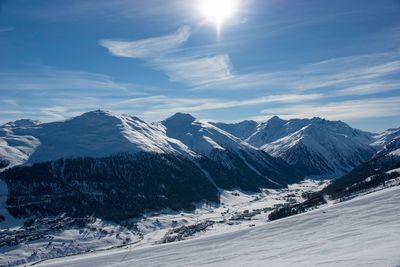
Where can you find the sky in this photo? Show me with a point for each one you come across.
(339, 60)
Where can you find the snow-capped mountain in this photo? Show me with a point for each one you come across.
(201, 137)
(99, 134)
(277, 128)
(317, 146)
(391, 147)
(382, 139)
(15, 148)
(229, 151)
(112, 165)
(120, 166)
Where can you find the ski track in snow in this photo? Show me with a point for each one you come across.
(364, 231)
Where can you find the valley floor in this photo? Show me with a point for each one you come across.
(364, 231)
(60, 236)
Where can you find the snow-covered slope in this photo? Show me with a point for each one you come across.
(92, 134)
(277, 128)
(15, 149)
(361, 232)
(391, 148)
(99, 134)
(201, 137)
(89, 233)
(381, 169)
(386, 137)
(317, 146)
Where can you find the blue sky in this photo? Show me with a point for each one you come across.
(334, 59)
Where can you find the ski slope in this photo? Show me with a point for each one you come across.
(364, 231)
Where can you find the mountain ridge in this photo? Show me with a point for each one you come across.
(101, 158)
(281, 138)
(317, 146)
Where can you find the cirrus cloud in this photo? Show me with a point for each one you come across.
(148, 48)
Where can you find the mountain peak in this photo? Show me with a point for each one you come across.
(96, 118)
(275, 120)
(22, 123)
(99, 112)
(181, 118)
(276, 117)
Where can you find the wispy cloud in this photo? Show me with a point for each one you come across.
(370, 88)
(49, 78)
(162, 53)
(196, 71)
(346, 75)
(148, 48)
(55, 112)
(345, 110)
(9, 102)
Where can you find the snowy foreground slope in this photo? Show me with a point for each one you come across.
(364, 231)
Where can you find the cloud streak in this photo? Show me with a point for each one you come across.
(339, 76)
(48, 78)
(196, 71)
(148, 48)
(162, 53)
(351, 109)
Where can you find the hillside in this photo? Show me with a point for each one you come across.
(346, 234)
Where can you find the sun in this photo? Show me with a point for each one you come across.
(218, 11)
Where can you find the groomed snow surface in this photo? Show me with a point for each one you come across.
(364, 231)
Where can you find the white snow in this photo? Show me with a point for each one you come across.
(324, 145)
(202, 137)
(395, 152)
(394, 170)
(92, 134)
(16, 149)
(382, 139)
(153, 226)
(277, 128)
(364, 231)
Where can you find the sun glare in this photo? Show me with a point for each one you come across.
(218, 11)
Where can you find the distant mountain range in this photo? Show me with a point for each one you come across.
(316, 146)
(118, 166)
